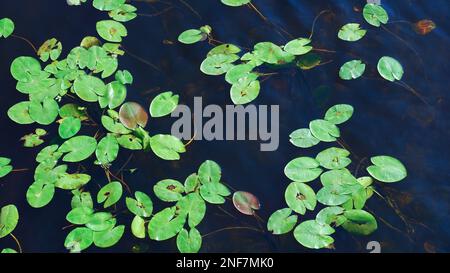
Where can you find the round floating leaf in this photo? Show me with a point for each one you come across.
(227, 49)
(165, 224)
(298, 46)
(302, 169)
(88, 88)
(107, 150)
(72, 181)
(245, 90)
(390, 69)
(110, 194)
(191, 36)
(50, 49)
(194, 207)
(78, 148)
(209, 172)
(168, 190)
(123, 14)
(33, 139)
(330, 215)
(79, 239)
(101, 221)
(334, 195)
(40, 194)
(9, 216)
(124, 77)
(24, 68)
(141, 206)
(360, 222)
(351, 32)
(352, 70)
(8, 251)
(167, 147)
(189, 242)
(365, 181)
(6, 27)
(114, 96)
(5, 168)
(80, 215)
(309, 61)
(337, 177)
(375, 14)
(111, 31)
(214, 192)
(272, 54)
(300, 197)
(312, 234)
(44, 113)
(324, 130)
(72, 110)
(69, 127)
(281, 221)
(303, 138)
(108, 238)
(114, 126)
(133, 114)
(48, 153)
(130, 142)
(138, 227)
(218, 64)
(239, 72)
(339, 113)
(81, 199)
(163, 104)
(20, 114)
(191, 183)
(107, 5)
(246, 202)
(387, 169)
(235, 3)
(334, 158)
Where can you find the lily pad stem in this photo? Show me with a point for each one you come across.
(17, 242)
(27, 41)
(231, 228)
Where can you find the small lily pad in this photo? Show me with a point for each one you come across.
(390, 69)
(351, 32)
(352, 70)
(69, 127)
(168, 190)
(312, 234)
(246, 202)
(298, 46)
(375, 14)
(209, 172)
(360, 222)
(300, 197)
(281, 221)
(78, 148)
(334, 158)
(387, 169)
(214, 193)
(141, 205)
(324, 130)
(339, 113)
(110, 194)
(9, 217)
(108, 238)
(6, 27)
(163, 104)
(302, 169)
(189, 242)
(167, 147)
(303, 138)
(111, 30)
(79, 239)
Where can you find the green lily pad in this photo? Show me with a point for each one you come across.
(141, 206)
(24, 68)
(130, 142)
(9, 217)
(107, 150)
(240, 71)
(72, 181)
(78, 148)
(114, 126)
(191, 36)
(312, 234)
(339, 113)
(107, 5)
(191, 183)
(111, 31)
(189, 242)
(69, 127)
(209, 172)
(50, 49)
(114, 96)
(80, 215)
(44, 113)
(6, 27)
(352, 70)
(194, 207)
(214, 193)
(334, 158)
(331, 215)
(110, 194)
(108, 238)
(302, 169)
(5, 167)
(168, 190)
(351, 32)
(79, 239)
(227, 49)
(19, 113)
(334, 195)
(245, 90)
(375, 14)
(390, 69)
(124, 13)
(360, 222)
(81, 199)
(337, 177)
(138, 227)
(303, 138)
(165, 224)
(281, 221)
(300, 197)
(88, 88)
(163, 104)
(40, 194)
(167, 147)
(101, 221)
(34, 139)
(324, 130)
(309, 61)
(272, 54)
(298, 46)
(124, 77)
(218, 64)
(235, 3)
(387, 169)
(8, 251)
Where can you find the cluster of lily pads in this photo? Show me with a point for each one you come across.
(341, 195)
(9, 215)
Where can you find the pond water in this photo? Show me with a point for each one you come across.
(388, 119)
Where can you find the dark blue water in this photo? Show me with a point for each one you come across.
(388, 118)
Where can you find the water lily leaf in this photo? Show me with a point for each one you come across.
(191, 183)
(5, 168)
(333, 195)
(309, 61)
(80, 215)
(191, 36)
(360, 222)
(114, 96)
(69, 127)
(8, 251)
(6, 27)
(339, 113)
(272, 54)
(245, 90)
(72, 110)
(49, 153)
(108, 238)
(281, 221)
(240, 71)
(132, 114)
(251, 59)
(334, 158)
(324, 130)
(331, 215)
(298, 46)
(44, 113)
(189, 242)
(214, 192)
(235, 3)
(9, 217)
(124, 13)
(19, 113)
(79, 239)
(337, 177)
(141, 206)
(34, 139)
(194, 207)
(72, 181)
(88, 88)
(78, 148)
(387, 169)
(352, 70)
(167, 147)
(163, 104)
(111, 30)
(423, 27)
(124, 77)
(375, 14)
(50, 49)
(351, 32)
(165, 224)
(130, 142)
(107, 150)
(227, 49)
(300, 197)
(218, 64)
(168, 190)
(312, 234)
(81, 199)
(101, 221)
(365, 181)
(39, 194)
(107, 5)
(110, 194)
(209, 172)
(302, 169)
(303, 138)
(138, 227)
(390, 69)
(114, 126)
(246, 202)
(24, 68)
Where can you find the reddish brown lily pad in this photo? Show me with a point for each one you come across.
(245, 202)
(423, 27)
(132, 114)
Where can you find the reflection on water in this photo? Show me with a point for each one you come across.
(388, 119)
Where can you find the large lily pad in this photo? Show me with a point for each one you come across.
(78, 148)
(168, 190)
(165, 224)
(9, 216)
(302, 169)
(324, 130)
(375, 14)
(359, 222)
